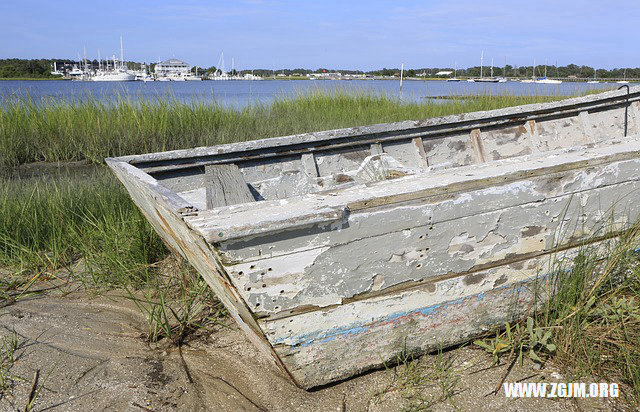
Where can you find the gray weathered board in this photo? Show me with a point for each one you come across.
(225, 186)
(356, 244)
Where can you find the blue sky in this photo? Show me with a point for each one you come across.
(334, 34)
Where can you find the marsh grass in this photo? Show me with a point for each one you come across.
(55, 222)
(87, 228)
(94, 128)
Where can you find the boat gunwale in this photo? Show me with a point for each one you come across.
(362, 135)
(216, 225)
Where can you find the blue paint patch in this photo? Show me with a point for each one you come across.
(320, 337)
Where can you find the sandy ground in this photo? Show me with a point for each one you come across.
(92, 356)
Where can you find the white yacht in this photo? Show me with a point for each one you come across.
(192, 77)
(119, 72)
(117, 75)
(544, 80)
(75, 71)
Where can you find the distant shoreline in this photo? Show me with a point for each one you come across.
(32, 78)
(440, 79)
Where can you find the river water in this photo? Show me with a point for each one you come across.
(238, 93)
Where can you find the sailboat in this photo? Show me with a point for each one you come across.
(503, 79)
(455, 73)
(486, 79)
(624, 81)
(545, 80)
(594, 81)
(220, 73)
(119, 72)
(55, 71)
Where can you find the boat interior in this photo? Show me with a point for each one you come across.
(284, 167)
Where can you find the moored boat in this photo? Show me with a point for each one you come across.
(337, 251)
(545, 80)
(113, 76)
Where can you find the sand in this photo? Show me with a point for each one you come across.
(92, 355)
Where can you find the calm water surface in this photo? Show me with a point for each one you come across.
(237, 93)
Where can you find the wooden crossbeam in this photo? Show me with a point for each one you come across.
(226, 186)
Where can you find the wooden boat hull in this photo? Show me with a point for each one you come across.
(337, 272)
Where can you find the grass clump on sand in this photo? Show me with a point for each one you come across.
(595, 314)
(421, 383)
(86, 227)
(590, 328)
(53, 130)
(8, 346)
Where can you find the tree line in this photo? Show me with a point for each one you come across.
(41, 69)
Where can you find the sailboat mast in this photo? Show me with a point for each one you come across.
(504, 71)
(481, 61)
(492, 67)
(121, 54)
(86, 69)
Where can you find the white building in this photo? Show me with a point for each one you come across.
(171, 68)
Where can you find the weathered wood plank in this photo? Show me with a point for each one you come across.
(309, 165)
(376, 148)
(365, 265)
(325, 346)
(411, 188)
(338, 342)
(422, 155)
(634, 113)
(587, 127)
(536, 145)
(225, 186)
